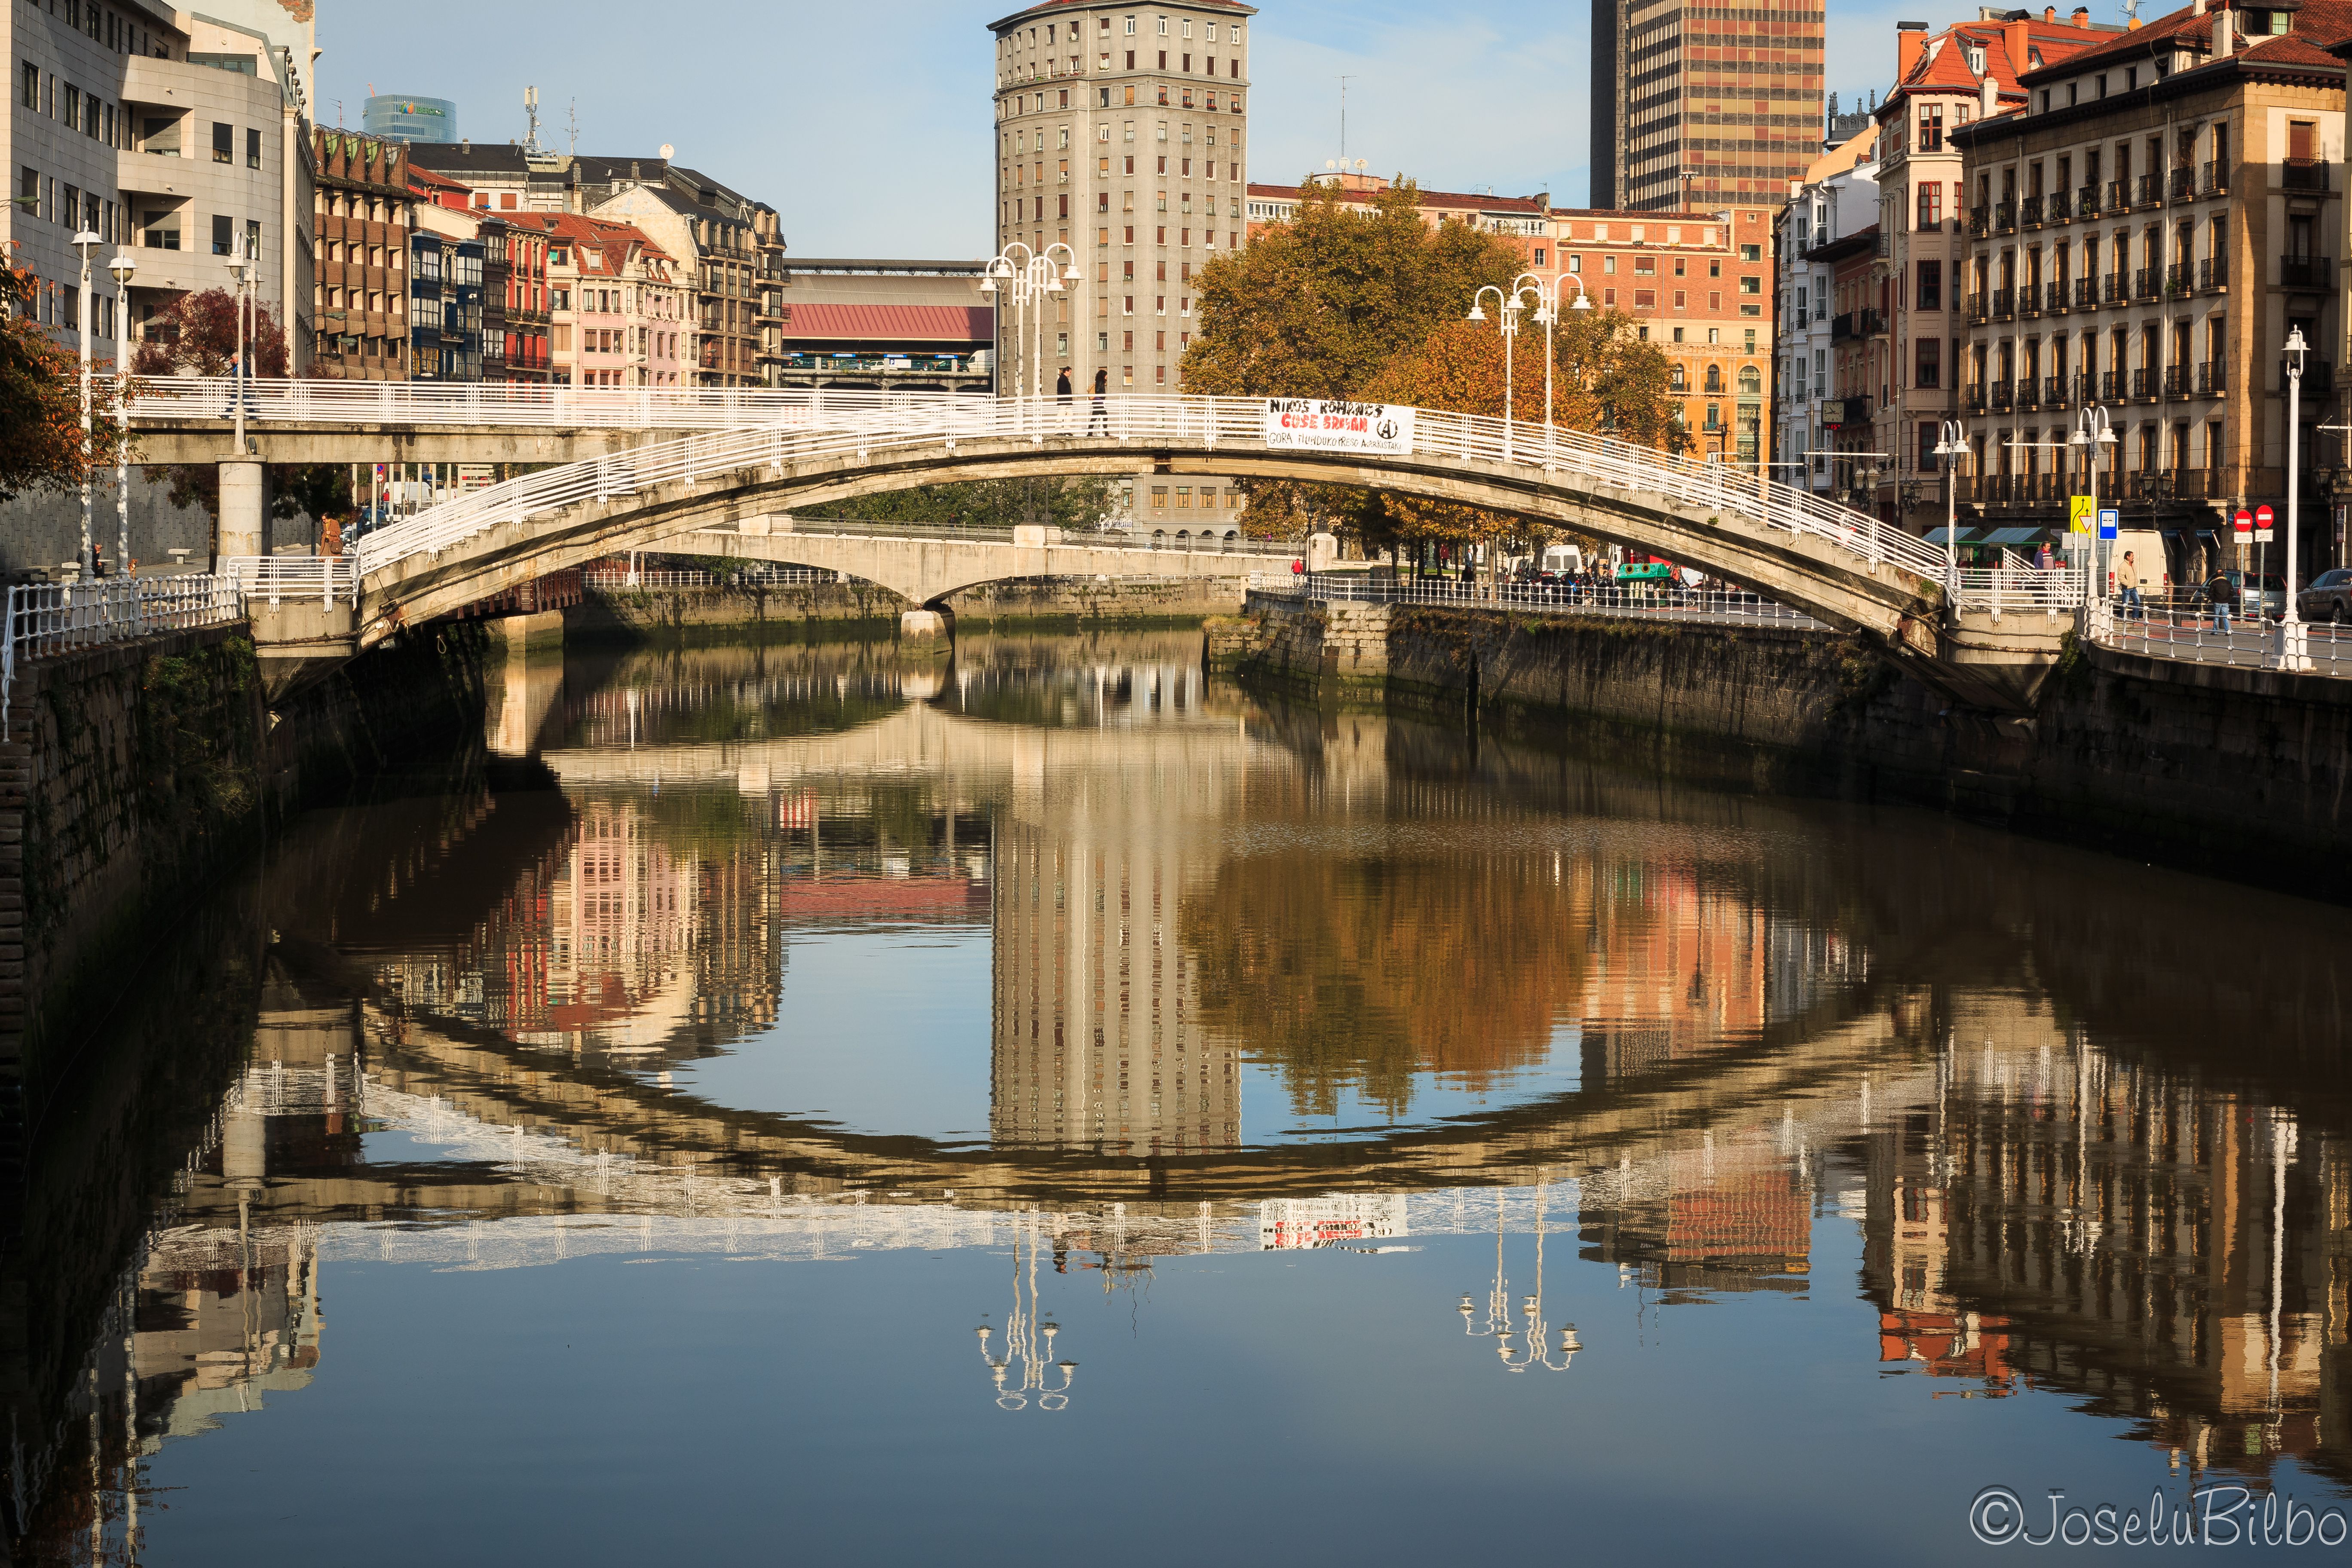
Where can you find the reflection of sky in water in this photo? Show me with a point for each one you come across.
(879, 1030)
(1269, 1115)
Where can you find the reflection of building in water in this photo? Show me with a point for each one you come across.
(1679, 964)
(2173, 1254)
(1734, 1213)
(1284, 1223)
(1099, 1039)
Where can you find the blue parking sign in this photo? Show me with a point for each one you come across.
(2110, 518)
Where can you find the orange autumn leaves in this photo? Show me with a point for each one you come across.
(41, 442)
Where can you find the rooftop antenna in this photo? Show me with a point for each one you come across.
(339, 113)
(530, 113)
(1343, 122)
(572, 124)
(2131, 12)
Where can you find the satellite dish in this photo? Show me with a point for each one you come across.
(668, 152)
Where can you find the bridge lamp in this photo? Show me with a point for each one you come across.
(1477, 313)
(123, 267)
(87, 242)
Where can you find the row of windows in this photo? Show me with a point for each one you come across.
(1018, 140)
(1018, 104)
(60, 305)
(1015, 39)
(159, 229)
(52, 200)
(118, 33)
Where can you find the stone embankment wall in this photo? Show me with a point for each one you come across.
(826, 611)
(131, 774)
(2239, 772)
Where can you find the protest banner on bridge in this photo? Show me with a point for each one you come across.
(1317, 424)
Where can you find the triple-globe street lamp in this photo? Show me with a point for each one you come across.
(1031, 276)
(1526, 290)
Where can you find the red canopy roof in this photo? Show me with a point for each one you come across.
(912, 323)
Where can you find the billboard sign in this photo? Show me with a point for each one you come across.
(1320, 425)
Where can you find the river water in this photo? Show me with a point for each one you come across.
(779, 1104)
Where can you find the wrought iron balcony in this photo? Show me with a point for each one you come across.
(2004, 396)
(2151, 190)
(2144, 283)
(2306, 272)
(2111, 386)
(1842, 326)
(2053, 296)
(2217, 179)
(2213, 273)
(2028, 212)
(1873, 323)
(1979, 219)
(2302, 175)
(2118, 195)
(1973, 399)
(1977, 307)
(2029, 300)
(2004, 304)
(2086, 202)
(2175, 280)
(2183, 184)
(2053, 392)
(2115, 290)
(2087, 293)
(2211, 378)
(2176, 381)
(2142, 382)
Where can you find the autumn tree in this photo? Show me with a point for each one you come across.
(42, 446)
(196, 334)
(1075, 503)
(1606, 377)
(1318, 306)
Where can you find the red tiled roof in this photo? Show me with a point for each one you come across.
(2319, 26)
(425, 179)
(911, 323)
(598, 232)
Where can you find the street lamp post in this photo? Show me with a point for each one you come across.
(2291, 633)
(87, 242)
(123, 267)
(1951, 447)
(1032, 274)
(2093, 435)
(1526, 290)
(240, 267)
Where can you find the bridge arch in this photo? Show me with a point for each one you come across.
(1837, 565)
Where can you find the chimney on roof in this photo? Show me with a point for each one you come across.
(2225, 39)
(1910, 40)
(465, 146)
(2014, 43)
(2081, 17)
(1987, 97)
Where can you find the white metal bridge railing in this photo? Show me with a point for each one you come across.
(278, 578)
(1713, 606)
(407, 405)
(45, 619)
(887, 422)
(2199, 635)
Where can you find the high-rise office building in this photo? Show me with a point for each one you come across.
(1707, 107)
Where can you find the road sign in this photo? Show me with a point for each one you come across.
(2078, 514)
(2243, 522)
(2263, 519)
(2110, 520)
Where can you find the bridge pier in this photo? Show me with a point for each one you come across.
(244, 525)
(926, 625)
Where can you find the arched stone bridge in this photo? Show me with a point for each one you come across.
(1840, 566)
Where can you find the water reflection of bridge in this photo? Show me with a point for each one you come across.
(1926, 1034)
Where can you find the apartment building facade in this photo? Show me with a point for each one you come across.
(1698, 286)
(177, 137)
(1837, 200)
(2144, 233)
(1944, 81)
(1703, 107)
(364, 217)
(730, 252)
(619, 306)
(1524, 222)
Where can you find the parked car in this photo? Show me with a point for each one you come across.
(2329, 598)
(2265, 597)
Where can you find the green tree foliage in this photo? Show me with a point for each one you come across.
(42, 446)
(1075, 504)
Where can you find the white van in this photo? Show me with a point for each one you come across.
(2146, 547)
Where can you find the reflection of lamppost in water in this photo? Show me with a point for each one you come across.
(1023, 1330)
(1498, 1325)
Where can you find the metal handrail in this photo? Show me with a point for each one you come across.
(1714, 606)
(45, 619)
(804, 426)
(278, 578)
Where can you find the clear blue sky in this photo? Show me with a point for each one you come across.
(866, 126)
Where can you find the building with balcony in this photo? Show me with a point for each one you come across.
(1698, 287)
(444, 295)
(1837, 198)
(619, 305)
(1943, 82)
(2147, 224)
(363, 214)
(729, 250)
